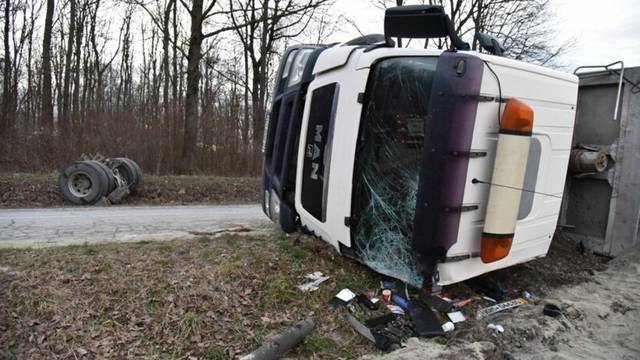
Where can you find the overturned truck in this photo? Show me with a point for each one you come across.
(429, 166)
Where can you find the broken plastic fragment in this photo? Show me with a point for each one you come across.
(395, 309)
(448, 326)
(456, 317)
(346, 295)
(496, 328)
(500, 307)
(316, 278)
(461, 303)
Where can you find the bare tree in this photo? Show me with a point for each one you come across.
(7, 92)
(47, 97)
(65, 95)
(269, 21)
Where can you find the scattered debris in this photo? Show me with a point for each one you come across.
(342, 298)
(382, 340)
(388, 284)
(360, 328)
(381, 320)
(448, 326)
(236, 229)
(551, 310)
(366, 302)
(456, 317)
(500, 307)
(489, 299)
(277, 346)
(316, 278)
(438, 303)
(489, 288)
(400, 301)
(495, 328)
(462, 303)
(425, 320)
(395, 309)
(386, 295)
(346, 295)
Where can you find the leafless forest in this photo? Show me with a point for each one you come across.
(182, 86)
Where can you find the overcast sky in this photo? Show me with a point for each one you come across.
(604, 31)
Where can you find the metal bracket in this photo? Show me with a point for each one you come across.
(349, 221)
(469, 154)
(484, 98)
(463, 208)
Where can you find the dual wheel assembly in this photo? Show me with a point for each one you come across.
(87, 182)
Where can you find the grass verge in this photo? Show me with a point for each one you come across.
(211, 298)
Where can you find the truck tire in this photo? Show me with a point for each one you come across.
(83, 183)
(131, 172)
(111, 180)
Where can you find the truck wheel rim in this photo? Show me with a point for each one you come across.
(79, 184)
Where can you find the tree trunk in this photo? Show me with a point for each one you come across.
(64, 114)
(47, 100)
(245, 124)
(174, 128)
(75, 97)
(7, 116)
(165, 58)
(193, 83)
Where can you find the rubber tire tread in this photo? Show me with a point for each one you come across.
(111, 180)
(128, 170)
(138, 174)
(97, 177)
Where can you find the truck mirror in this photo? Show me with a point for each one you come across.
(490, 44)
(421, 21)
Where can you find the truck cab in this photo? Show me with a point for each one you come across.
(427, 165)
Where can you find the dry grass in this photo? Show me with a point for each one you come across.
(212, 298)
(41, 190)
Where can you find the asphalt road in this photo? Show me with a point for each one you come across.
(79, 225)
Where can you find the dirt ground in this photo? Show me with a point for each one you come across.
(219, 297)
(41, 190)
(600, 320)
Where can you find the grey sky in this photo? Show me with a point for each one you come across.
(604, 31)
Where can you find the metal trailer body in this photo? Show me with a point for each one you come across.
(602, 209)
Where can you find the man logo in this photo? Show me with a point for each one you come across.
(316, 151)
(314, 170)
(318, 137)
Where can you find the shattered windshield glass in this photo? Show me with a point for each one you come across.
(387, 164)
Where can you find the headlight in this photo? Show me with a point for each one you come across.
(274, 207)
(298, 65)
(267, 118)
(267, 202)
